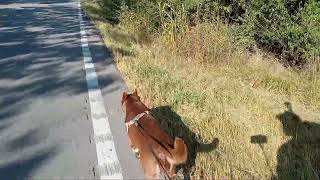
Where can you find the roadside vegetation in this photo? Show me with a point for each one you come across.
(245, 73)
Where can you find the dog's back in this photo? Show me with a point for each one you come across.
(153, 141)
(177, 148)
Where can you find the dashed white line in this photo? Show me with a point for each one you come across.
(108, 164)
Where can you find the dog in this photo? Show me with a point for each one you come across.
(157, 151)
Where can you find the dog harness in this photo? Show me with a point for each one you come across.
(135, 120)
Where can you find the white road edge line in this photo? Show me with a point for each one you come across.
(108, 164)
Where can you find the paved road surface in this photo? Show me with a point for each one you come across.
(46, 129)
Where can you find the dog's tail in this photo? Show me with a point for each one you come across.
(180, 151)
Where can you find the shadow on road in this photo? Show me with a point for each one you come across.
(40, 59)
(23, 168)
(38, 55)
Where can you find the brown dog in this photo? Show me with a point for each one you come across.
(158, 152)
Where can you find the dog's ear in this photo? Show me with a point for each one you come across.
(124, 96)
(135, 92)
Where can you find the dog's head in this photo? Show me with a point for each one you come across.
(126, 97)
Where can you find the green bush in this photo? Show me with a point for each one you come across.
(135, 23)
(289, 29)
(152, 18)
(112, 9)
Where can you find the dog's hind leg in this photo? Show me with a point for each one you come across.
(180, 152)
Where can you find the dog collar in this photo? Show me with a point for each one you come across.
(136, 119)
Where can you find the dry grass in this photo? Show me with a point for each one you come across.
(201, 94)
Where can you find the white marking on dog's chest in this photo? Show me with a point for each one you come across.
(108, 166)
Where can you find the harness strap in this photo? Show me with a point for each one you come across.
(135, 120)
(166, 174)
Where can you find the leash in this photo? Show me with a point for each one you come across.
(154, 154)
(134, 121)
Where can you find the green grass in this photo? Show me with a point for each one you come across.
(200, 94)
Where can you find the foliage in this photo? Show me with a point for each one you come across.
(289, 29)
(286, 28)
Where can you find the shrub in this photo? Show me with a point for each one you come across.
(110, 10)
(137, 24)
(206, 43)
(147, 18)
(289, 29)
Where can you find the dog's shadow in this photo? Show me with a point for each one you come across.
(175, 127)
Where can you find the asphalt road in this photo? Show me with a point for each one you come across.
(45, 125)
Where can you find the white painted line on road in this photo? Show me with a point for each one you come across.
(108, 164)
